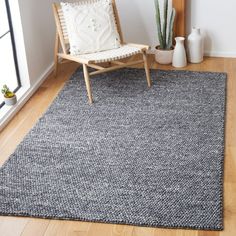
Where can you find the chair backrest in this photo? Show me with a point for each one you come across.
(62, 30)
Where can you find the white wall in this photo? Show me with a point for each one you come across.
(215, 17)
(39, 35)
(138, 21)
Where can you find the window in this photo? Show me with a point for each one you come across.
(9, 73)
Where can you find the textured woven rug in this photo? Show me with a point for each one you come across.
(148, 157)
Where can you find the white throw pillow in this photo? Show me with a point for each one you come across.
(91, 26)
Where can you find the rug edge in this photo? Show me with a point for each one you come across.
(220, 228)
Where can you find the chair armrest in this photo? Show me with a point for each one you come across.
(140, 46)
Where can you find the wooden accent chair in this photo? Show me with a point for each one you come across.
(93, 60)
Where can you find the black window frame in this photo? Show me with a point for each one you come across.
(10, 31)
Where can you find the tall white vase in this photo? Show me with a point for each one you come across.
(179, 56)
(195, 46)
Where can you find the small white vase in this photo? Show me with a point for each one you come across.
(195, 46)
(179, 56)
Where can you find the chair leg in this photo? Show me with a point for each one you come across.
(55, 55)
(147, 70)
(87, 82)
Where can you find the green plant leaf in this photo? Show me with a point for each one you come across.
(171, 29)
(165, 19)
(158, 22)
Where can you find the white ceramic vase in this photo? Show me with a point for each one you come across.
(195, 46)
(179, 56)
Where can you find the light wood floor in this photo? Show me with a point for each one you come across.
(37, 105)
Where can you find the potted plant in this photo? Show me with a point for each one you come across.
(9, 96)
(164, 52)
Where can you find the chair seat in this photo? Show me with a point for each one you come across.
(111, 55)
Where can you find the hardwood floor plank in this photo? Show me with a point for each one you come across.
(230, 166)
(57, 228)
(12, 226)
(208, 233)
(35, 227)
(144, 231)
(97, 229)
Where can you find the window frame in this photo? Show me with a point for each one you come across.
(10, 31)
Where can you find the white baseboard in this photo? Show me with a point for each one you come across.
(220, 54)
(9, 112)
